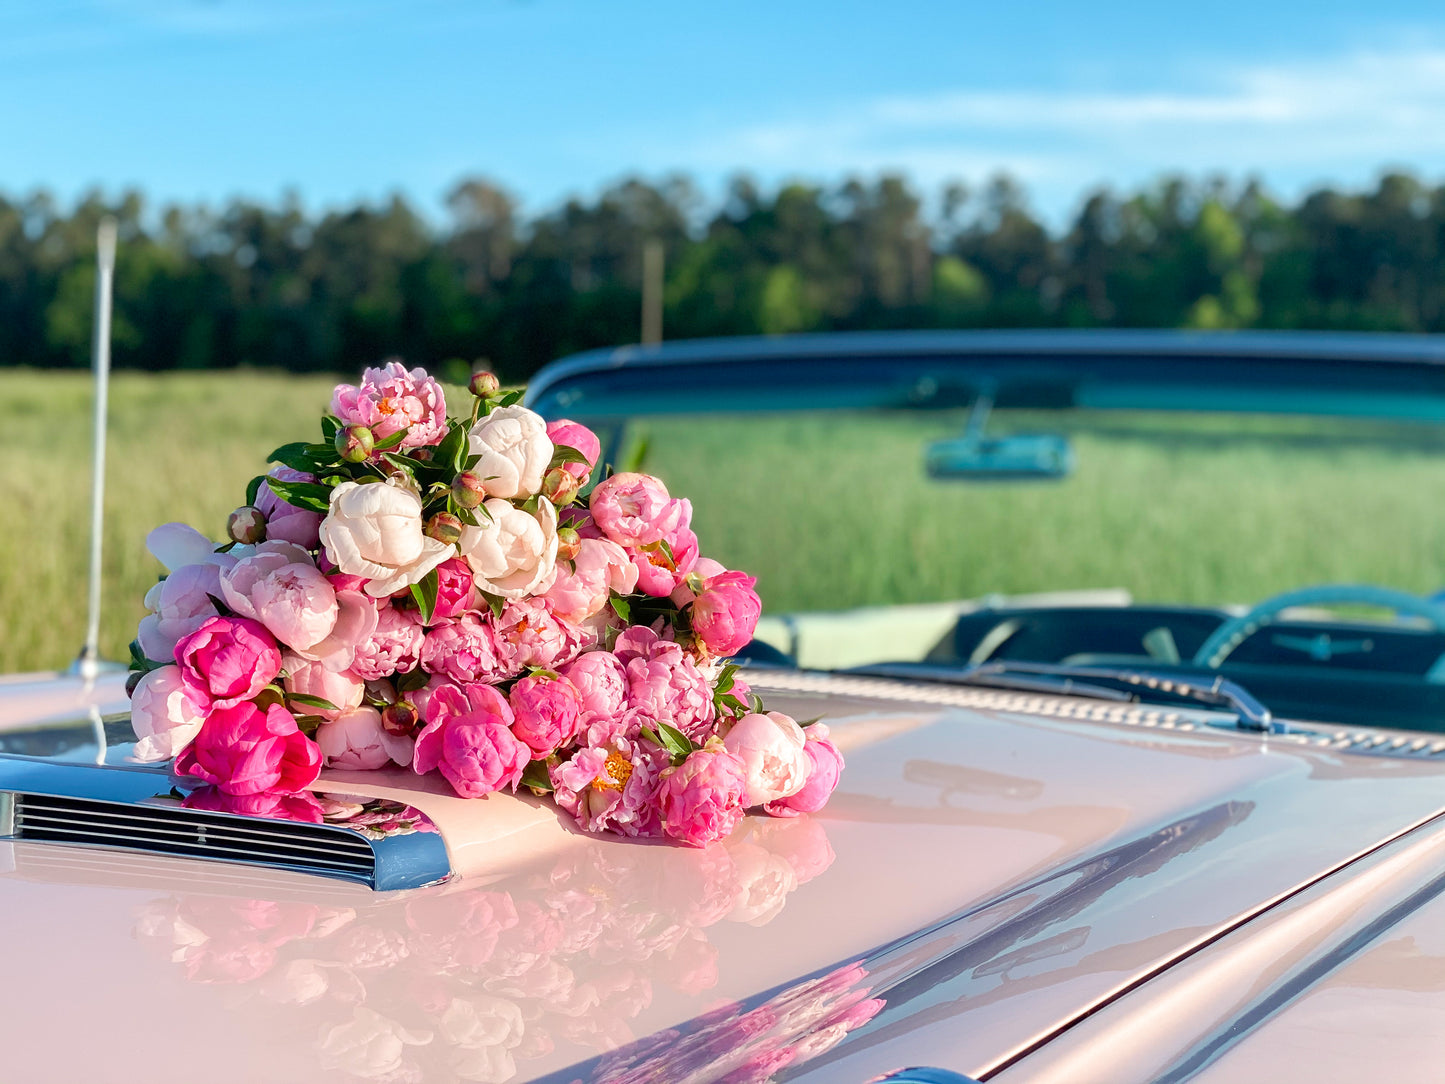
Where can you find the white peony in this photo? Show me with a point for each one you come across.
(515, 451)
(375, 531)
(514, 553)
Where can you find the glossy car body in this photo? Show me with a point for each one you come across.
(1011, 886)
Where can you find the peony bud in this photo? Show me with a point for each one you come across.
(246, 525)
(468, 490)
(560, 487)
(132, 681)
(569, 544)
(484, 384)
(444, 527)
(400, 718)
(355, 443)
(421, 455)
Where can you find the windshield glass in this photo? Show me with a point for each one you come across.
(1079, 515)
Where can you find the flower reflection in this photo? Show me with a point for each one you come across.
(547, 969)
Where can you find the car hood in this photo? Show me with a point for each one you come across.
(991, 868)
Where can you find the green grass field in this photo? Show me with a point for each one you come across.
(829, 512)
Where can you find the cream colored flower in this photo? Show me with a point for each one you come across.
(513, 553)
(375, 531)
(515, 451)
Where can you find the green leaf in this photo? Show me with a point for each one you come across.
(329, 428)
(536, 776)
(295, 456)
(675, 741)
(757, 702)
(401, 463)
(309, 724)
(425, 594)
(809, 722)
(471, 461)
(512, 398)
(412, 681)
(724, 681)
(311, 496)
(565, 453)
(253, 489)
(464, 514)
(621, 607)
(392, 441)
(495, 602)
(323, 453)
(452, 451)
(306, 700)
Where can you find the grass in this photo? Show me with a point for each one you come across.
(828, 511)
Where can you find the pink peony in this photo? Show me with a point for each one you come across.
(660, 570)
(342, 688)
(245, 751)
(825, 765)
(165, 714)
(601, 684)
(726, 612)
(581, 586)
(612, 788)
(456, 591)
(770, 748)
(470, 740)
(280, 587)
(635, 509)
(663, 682)
(464, 651)
(702, 799)
(528, 635)
(227, 660)
(578, 436)
(285, 522)
(181, 603)
(301, 806)
(390, 399)
(394, 648)
(356, 740)
(547, 713)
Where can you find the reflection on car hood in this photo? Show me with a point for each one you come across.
(983, 874)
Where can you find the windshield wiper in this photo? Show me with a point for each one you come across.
(1098, 682)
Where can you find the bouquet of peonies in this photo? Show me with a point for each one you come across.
(435, 593)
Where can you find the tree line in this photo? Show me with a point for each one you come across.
(274, 286)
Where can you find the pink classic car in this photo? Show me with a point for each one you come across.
(1129, 644)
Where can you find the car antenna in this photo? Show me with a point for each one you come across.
(88, 665)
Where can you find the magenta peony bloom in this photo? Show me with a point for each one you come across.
(356, 740)
(464, 651)
(726, 612)
(394, 648)
(245, 751)
(456, 591)
(825, 765)
(285, 522)
(547, 713)
(527, 634)
(392, 398)
(165, 715)
(663, 682)
(635, 509)
(576, 435)
(227, 660)
(612, 788)
(581, 586)
(301, 806)
(470, 740)
(701, 800)
(601, 685)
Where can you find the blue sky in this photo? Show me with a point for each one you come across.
(346, 99)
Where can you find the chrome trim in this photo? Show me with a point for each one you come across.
(922, 1074)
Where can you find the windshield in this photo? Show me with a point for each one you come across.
(1098, 512)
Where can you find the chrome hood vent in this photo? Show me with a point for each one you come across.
(66, 799)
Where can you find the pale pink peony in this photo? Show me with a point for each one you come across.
(227, 660)
(392, 398)
(825, 765)
(342, 688)
(176, 545)
(601, 684)
(580, 589)
(547, 713)
(164, 714)
(635, 509)
(726, 612)
(280, 587)
(575, 435)
(527, 634)
(245, 751)
(375, 531)
(702, 799)
(285, 522)
(511, 552)
(181, 603)
(612, 788)
(663, 682)
(660, 569)
(355, 740)
(356, 618)
(770, 748)
(470, 740)
(464, 651)
(515, 451)
(394, 648)
(456, 591)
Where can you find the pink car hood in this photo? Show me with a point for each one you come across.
(991, 869)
